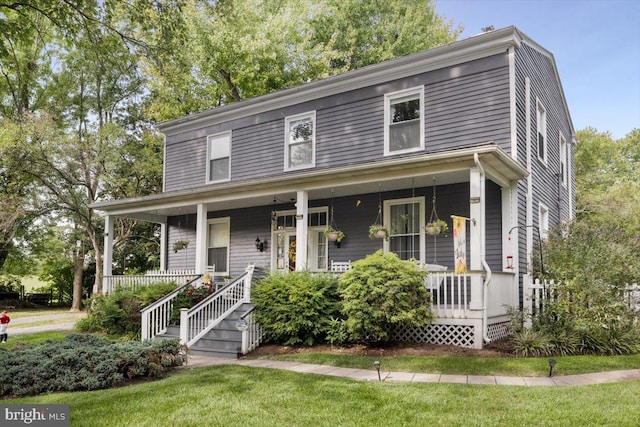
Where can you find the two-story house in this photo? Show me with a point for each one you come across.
(480, 128)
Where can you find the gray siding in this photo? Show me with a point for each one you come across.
(247, 224)
(470, 108)
(547, 188)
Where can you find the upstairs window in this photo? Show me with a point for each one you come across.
(542, 133)
(563, 160)
(404, 121)
(219, 155)
(300, 141)
(543, 221)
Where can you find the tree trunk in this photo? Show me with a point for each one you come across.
(78, 269)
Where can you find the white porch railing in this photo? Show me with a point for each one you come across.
(460, 296)
(133, 282)
(200, 319)
(156, 316)
(252, 336)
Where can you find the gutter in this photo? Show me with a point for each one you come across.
(487, 278)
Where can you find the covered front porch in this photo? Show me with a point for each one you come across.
(279, 224)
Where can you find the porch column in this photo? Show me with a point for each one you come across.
(509, 220)
(163, 247)
(302, 210)
(201, 239)
(107, 258)
(477, 231)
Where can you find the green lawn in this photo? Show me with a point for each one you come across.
(243, 396)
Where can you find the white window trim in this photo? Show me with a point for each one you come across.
(541, 127)
(419, 90)
(421, 208)
(285, 231)
(287, 120)
(543, 220)
(208, 168)
(221, 220)
(562, 142)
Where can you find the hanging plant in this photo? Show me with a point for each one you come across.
(377, 231)
(179, 245)
(436, 227)
(333, 235)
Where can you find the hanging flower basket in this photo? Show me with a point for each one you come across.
(377, 231)
(333, 235)
(179, 245)
(436, 227)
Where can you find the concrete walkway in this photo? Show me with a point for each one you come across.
(372, 375)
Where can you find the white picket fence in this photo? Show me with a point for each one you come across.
(133, 282)
(538, 293)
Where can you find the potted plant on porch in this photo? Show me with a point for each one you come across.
(378, 231)
(436, 227)
(333, 235)
(179, 245)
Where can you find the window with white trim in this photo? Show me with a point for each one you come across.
(218, 230)
(404, 121)
(405, 218)
(541, 120)
(219, 157)
(543, 221)
(563, 160)
(300, 141)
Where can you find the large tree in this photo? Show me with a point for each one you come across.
(239, 49)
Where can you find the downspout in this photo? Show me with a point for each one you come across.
(487, 278)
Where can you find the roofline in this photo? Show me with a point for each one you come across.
(310, 180)
(528, 40)
(471, 48)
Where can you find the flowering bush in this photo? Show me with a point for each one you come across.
(187, 298)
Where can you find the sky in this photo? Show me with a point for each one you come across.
(596, 45)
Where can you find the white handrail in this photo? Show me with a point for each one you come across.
(206, 315)
(156, 316)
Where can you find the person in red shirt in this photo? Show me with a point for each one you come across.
(4, 323)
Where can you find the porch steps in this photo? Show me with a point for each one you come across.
(223, 341)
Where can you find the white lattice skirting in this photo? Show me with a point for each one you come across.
(498, 330)
(460, 335)
(446, 334)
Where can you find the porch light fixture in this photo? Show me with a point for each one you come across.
(552, 363)
(260, 244)
(510, 262)
(376, 365)
(299, 217)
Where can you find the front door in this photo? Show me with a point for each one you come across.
(284, 238)
(285, 250)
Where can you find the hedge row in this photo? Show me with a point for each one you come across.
(83, 362)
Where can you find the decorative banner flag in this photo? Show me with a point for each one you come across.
(460, 244)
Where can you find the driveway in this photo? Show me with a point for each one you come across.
(44, 322)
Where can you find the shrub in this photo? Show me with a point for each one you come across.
(380, 293)
(297, 307)
(529, 343)
(10, 284)
(119, 312)
(187, 298)
(83, 362)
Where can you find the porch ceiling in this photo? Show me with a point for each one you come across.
(396, 173)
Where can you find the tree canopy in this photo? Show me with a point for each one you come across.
(83, 82)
